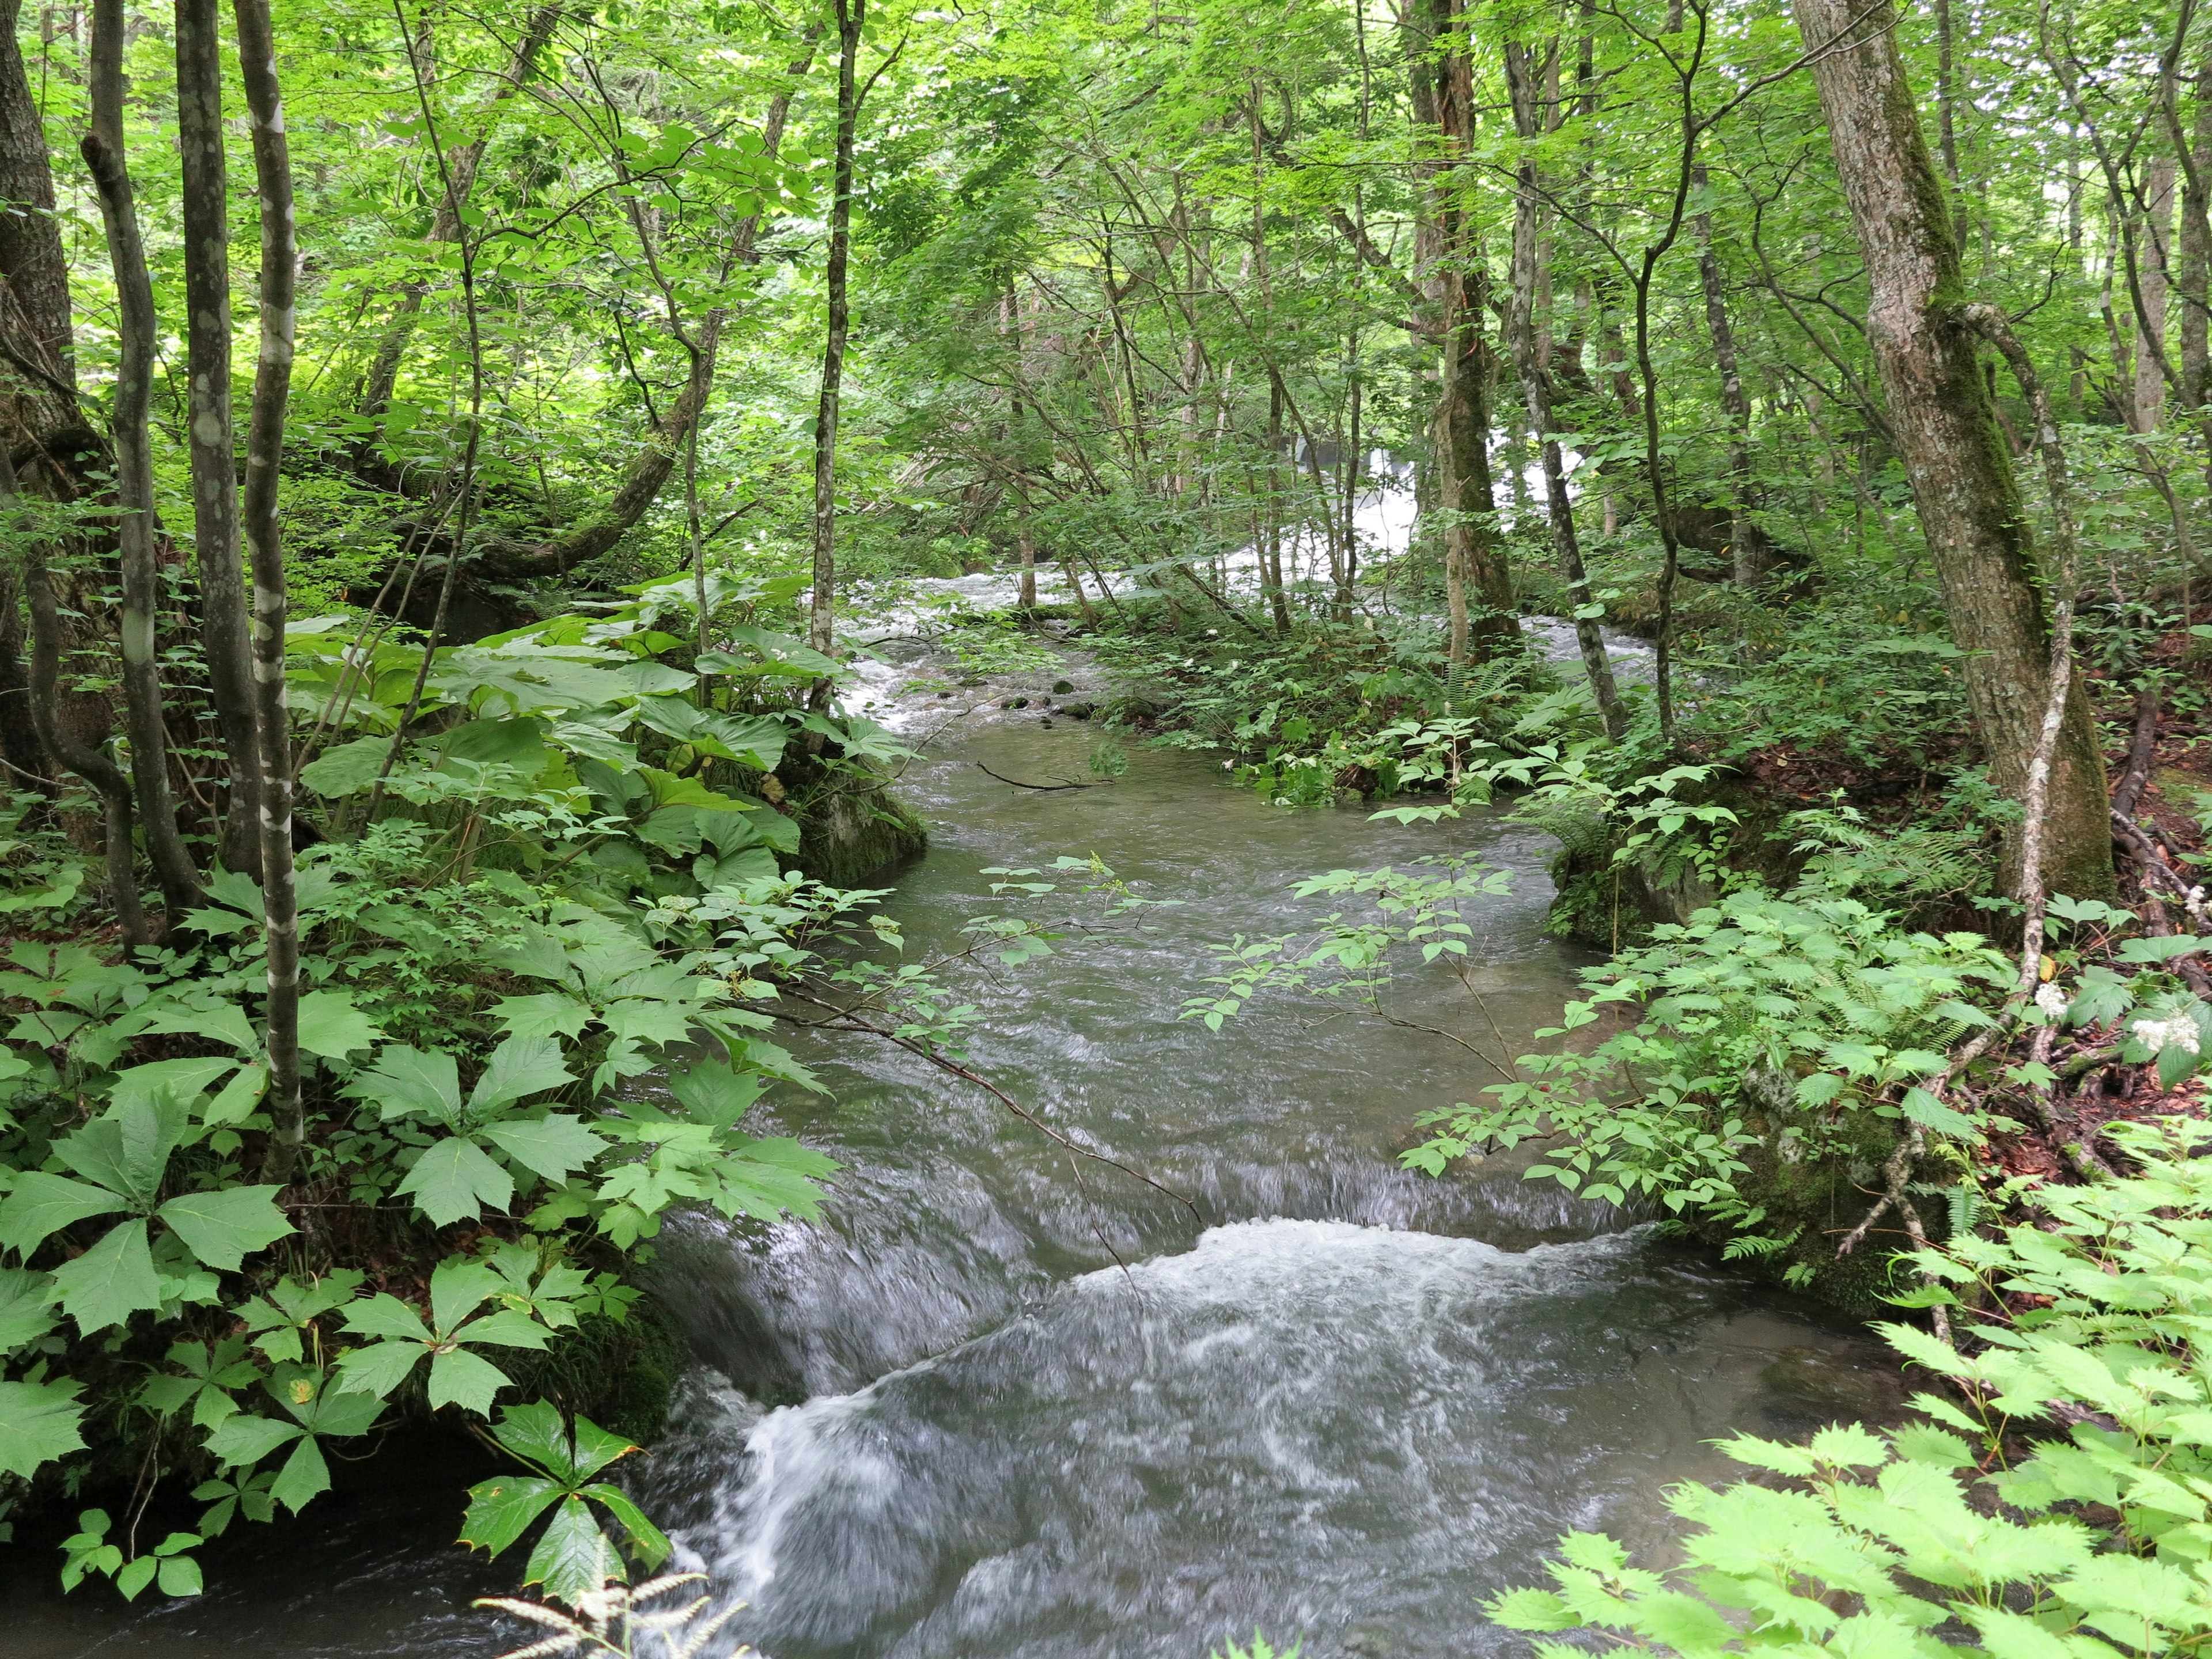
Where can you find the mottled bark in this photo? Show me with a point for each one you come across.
(129, 402)
(1479, 583)
(2157, 244)
(38, 390)
(1947, 438)
(264, 454)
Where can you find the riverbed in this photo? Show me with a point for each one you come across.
(1005, 1403)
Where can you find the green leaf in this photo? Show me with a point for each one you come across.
(135, 1576)
(221, 1227)
(521, 1065)
(461, 1379)
(573, 1558)
(126, 1148)
(38, 1422)
(247, 1439)
(40, 1205)
(454, 1180)
(553, 1146)
(649, 1541)
(332, 1028)
(180, 1577)
(347, 769)
(25, 1313)
(109, 1282)
(542, 1014)
(458, 1287)
(180, 1081)
(238, 1097)
(407, 1082)
(714, 1093)
(501, 1511)
(305, 1476)
(376, 1370)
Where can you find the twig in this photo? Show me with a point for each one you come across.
(1043, 788)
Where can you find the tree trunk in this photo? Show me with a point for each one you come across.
(1522, 327)
(214, 450)
(265, 453)
(1744, 541)
(2196, 250)
(2158, 261)
(36, 325)
(852, 19)
(1479, 583)
(134, 466)
(1947, 435)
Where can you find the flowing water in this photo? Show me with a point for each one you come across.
(998, 1406)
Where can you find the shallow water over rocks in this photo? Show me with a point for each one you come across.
(989, 1409)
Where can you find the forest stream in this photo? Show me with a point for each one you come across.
(987, 1411)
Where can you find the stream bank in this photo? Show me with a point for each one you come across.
(1342, 1399)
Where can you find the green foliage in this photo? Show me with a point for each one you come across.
(1861, 1542)
(1789, 1023)
(573, 1558)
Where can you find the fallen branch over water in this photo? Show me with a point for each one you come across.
(1043, 788)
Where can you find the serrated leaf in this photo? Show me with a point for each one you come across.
(238, 1096)
(521, 1065)
(542, 1014)
(646, 1541)
(454, 1181)
(38, 1422)
(458, 1286)
(573, 1558)
(221, 1227)
(243, 1439)
(469, 1381)
(40, 1205)
(25, 1314)
(109, 1282)
(378, 1369)
(408, 1082)
(305, 1476)
(554, 1146)
(332, 1028)
(501, 1510)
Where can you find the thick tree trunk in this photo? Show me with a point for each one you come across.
(134, 466)
(1479, 583)
(852, 19)
(1947, 435)
(38, 392)
(214, 452)
(264, 454)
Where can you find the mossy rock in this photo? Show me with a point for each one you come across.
(850, 824)
(621, 1374)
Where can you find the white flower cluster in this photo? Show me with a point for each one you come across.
(2176, 1030)
(2051, 999)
